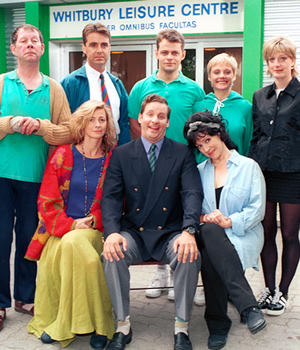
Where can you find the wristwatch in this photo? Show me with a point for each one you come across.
(190, 230)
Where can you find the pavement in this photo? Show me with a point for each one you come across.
(153, 321)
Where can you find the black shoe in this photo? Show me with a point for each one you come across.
(182, 342)
(119, 341)
(46, 339)
(254, 319)
(216, 341)
(98, 341)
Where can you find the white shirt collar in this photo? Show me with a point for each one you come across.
(93, 72)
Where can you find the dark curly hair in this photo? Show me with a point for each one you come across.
(206, 123)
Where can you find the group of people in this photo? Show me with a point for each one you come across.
(102, 203)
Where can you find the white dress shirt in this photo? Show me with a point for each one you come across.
(95, 92)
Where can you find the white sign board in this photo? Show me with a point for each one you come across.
(140, 18)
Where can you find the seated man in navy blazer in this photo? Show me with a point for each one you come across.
(151, 206)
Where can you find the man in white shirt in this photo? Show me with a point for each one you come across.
(85, 83)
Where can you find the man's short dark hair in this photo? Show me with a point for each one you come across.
(171, 35)
(14, 34)
(155, 98)
(95, 28)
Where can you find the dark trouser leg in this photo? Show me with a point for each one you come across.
(7, 213)
(118, 278)
(26, 223)
(216, 298)
(226, 263)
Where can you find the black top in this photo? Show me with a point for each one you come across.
(276, 134)
(218, 195)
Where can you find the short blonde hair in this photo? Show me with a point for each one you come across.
(80, 119)
(222, 58)
(282, 44)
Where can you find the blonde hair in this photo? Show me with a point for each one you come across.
(80, 119)
(222, 58)
(282, 44)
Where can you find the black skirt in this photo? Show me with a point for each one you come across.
(283, 187)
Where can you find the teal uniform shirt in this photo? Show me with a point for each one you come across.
(24, 157)
(181, 95)
(238, 113)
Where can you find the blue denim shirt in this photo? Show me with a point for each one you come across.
(243, 200)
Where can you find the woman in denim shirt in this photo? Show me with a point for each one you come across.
(231, 234)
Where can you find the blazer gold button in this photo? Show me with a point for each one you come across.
(138, 209)
(164, 209)
(159, 228)
(141, 229)
(167, 188)
(136, 189)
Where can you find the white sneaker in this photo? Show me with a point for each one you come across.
(265, 299)
(171, 293)
(278, 304)
(199, 298)
(159, 281)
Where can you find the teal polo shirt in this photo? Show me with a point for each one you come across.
(181, 95)
(24, 157)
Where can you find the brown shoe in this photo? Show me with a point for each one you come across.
(2, 317)
(21, 307)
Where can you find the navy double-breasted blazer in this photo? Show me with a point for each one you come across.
(152, 207)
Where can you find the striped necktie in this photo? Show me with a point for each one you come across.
(104, 93)
(152, 157)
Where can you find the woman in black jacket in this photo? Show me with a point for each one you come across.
(276, 147)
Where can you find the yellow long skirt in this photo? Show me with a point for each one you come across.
(71, 295)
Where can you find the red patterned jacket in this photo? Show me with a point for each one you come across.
(53, 200)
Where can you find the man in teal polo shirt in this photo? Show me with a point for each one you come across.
(168, 82)
(34, 113)
(181, 94)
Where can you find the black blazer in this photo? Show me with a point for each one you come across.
(153, 208)
(276, 134)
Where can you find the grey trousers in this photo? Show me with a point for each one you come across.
(118, 278)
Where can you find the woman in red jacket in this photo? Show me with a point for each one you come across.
(71, 295)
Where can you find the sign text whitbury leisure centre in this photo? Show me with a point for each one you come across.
(136, 17)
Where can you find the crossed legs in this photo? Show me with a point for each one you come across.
(222, 275)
